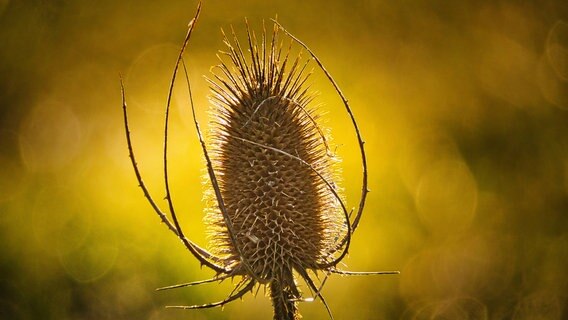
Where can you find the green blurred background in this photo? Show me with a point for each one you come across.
(463, 104)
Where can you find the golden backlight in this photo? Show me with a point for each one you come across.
(463, 106)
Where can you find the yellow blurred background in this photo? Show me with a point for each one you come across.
(464, 107)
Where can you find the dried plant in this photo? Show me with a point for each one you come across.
(277, 212)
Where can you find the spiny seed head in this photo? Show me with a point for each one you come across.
(274, 209)
(271, 160)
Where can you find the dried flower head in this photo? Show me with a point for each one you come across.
(275, 210)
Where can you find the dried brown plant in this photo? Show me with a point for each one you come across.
(276, 211)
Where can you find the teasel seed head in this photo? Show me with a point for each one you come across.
(273, 166)
(274, 208)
